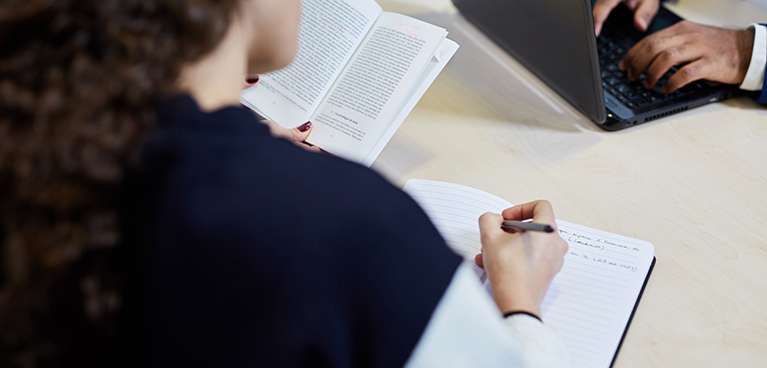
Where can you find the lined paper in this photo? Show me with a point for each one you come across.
(589, 302)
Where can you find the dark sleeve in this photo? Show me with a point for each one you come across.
(763, 95)
(401, 279)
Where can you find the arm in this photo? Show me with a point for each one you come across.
(467, 330)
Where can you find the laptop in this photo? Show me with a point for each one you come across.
(555, 39)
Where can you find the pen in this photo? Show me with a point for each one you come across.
(526, 226)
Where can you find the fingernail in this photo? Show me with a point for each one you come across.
(305, 127)
(646, 84)
(664, 89)
(622, 65)
(252, 80)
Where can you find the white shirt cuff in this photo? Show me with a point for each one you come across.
(540, 345)
(754, 79)
(467, 330)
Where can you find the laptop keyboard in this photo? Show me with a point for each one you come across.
(634, 94)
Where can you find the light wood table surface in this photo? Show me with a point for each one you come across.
(693, 184)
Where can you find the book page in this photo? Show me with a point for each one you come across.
(444, 53)
(372, 89)
(330, 32)
(590, 301)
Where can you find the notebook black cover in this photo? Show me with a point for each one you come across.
(626, 330)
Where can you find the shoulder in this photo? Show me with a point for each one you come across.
(231, 213)
(225, 172)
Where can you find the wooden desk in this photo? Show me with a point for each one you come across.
(694, 184)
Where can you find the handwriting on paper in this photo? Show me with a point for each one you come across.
(593, 242)
(409, 29)
(602, 260)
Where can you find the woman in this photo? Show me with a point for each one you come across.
(148, 219)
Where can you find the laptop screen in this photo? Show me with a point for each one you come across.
(553, 38)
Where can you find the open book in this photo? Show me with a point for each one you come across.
(590, 302)
(358, 73)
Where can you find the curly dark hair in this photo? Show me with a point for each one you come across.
(78, 83)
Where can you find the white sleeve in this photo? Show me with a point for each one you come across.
(467, 330)
(755, 75)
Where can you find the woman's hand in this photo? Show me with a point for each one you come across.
(520, 265)
(644, 12)
(296, 135)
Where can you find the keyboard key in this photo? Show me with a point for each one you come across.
(650, 97)
(640, 101)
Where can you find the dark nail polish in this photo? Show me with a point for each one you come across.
(252, 80)
(305, 127)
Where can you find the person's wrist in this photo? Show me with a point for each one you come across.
(517, 301)
(521, 312)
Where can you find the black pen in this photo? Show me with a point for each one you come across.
(526, 226)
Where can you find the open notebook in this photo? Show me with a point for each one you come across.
(590, 302)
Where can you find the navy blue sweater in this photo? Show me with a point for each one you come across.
(247, 250)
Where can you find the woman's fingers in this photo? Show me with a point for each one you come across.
(296, 135)
(479, 260)
(250, 81)
(539, 211)
(490, 225)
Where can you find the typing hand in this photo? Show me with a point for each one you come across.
(712, 53)
(520, 265)
(644, 12)
(296, 135)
